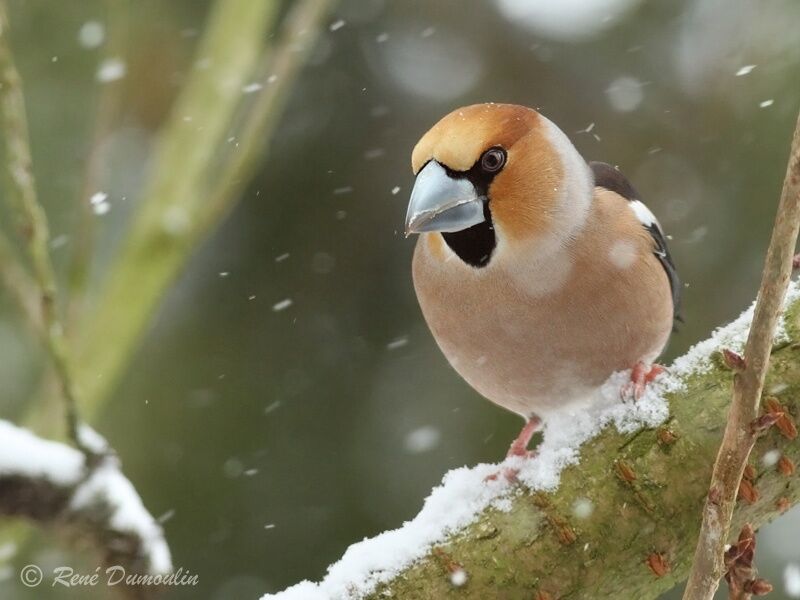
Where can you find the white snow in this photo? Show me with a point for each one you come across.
(582, 508)
(771, 458)
(567, 429)
(175, 220)
(465, 493)
(731, 336)
(282, 305)
(374, 153)
(422, 439)
(23, 453)
(625, 93)
(458, 577)
(566, 20)
(398, 342)
(101, 209)
(91, 34)
(109, 487)
(98, 198)
(92, 440)
(450, 507)
(791, 580)
(622, 254)
(252, 87)
(99, 202)
(111, 69)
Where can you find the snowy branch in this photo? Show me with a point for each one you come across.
(51, 484)
(609, 506)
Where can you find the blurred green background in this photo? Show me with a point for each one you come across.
(272, 439)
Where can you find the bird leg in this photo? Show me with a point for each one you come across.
(641, 375)
(519, 447)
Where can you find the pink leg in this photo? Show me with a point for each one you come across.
(641, 375)
(519, 447)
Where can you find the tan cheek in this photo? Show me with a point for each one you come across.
(435, 245)
(523, 194)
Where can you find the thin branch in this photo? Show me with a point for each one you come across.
(23, 291)
(740, 436)
(32, 220)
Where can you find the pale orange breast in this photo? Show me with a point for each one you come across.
(531, 352)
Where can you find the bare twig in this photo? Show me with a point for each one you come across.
(16, 281)
(32, 220)
(739, 436)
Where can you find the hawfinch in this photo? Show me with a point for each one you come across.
(539, 274)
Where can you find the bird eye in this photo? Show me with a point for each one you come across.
(493, 160)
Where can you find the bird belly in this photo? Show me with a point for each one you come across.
(532, 355)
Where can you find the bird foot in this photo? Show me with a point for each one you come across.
(518, 448)
(509, 474)
(641, 375)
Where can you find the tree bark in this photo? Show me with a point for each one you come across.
(647, 489)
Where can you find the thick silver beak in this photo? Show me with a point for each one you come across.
(441, 203)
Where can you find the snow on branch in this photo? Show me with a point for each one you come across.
(52, 484)
(466, 508)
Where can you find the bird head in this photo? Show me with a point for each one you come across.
(490, 177)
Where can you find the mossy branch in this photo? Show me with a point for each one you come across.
(645, 488)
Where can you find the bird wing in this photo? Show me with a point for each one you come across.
(612, 179)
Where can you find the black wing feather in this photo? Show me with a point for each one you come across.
(611, 179)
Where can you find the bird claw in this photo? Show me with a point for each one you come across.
(640, 377)
(510, 474)
(518, 449)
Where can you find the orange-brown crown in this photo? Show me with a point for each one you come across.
(522, 194)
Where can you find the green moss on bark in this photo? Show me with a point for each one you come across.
(647, 491)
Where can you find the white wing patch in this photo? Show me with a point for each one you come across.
(643, 213)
